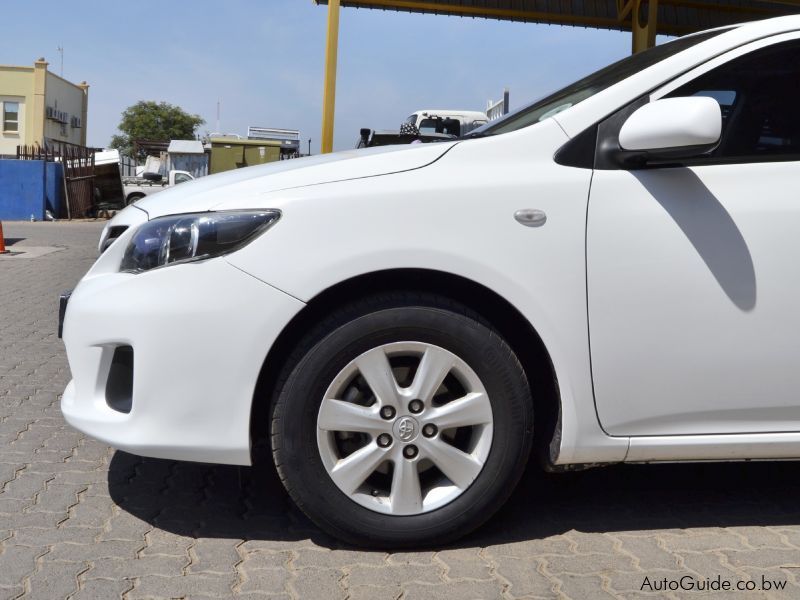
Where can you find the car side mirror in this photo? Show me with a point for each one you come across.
(668, 130)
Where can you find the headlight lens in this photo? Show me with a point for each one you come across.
(185, 238)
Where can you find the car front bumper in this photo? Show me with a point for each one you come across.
(199, 335)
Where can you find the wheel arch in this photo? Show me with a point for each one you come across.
(499, 312)
(133, 197)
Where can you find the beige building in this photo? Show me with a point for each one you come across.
(37, 106)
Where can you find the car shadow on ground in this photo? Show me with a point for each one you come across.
(217, 501)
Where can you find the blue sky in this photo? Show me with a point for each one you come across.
(263, 59)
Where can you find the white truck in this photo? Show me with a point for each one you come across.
(135, 188)
(426, 126)
(453, 122)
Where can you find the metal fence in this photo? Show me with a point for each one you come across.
(127, 166)
(78, 163)
(495, 110)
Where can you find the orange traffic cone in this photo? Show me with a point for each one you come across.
(2, 241)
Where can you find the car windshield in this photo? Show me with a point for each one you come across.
(589, 86)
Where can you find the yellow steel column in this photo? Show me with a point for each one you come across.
(329, 94)
(644, 34)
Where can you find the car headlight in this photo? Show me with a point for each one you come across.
(191, 237)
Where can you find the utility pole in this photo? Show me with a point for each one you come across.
(309, 146)
(61, 52)
(218, 131)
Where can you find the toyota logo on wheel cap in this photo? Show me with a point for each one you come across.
(406, 429)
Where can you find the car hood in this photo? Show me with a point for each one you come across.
(207, 192)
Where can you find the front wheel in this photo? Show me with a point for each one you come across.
(402, 422)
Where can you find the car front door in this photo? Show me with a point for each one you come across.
(694, 270)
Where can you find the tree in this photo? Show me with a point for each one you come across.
(154, 121)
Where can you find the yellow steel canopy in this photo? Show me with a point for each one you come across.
(644, 18)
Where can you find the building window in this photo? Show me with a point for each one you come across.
(11, 116)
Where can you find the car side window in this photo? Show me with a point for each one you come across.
(759, 95)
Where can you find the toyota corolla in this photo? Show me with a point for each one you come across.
(606, 275)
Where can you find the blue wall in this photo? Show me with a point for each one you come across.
(28, 187)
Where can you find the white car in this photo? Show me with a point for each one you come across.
(607, 275)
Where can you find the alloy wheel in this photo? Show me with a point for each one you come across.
(405, 428)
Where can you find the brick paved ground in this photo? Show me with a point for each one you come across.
(80, 520)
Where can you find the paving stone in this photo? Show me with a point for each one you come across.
(119, 568)
(648, 553)
(124, 526)
(102, 589)
(791, 535)
(48, 536)
(117, 549)
(26, 485)
(54, 580)
(764, 558)
(463, 590)
(549, 546)
(258, 559)
(11, 592)
(158, 541)
(372, 592)
(589, 563)
(465, 563)
(337, 558)
(10, 506)
(411, 558)
(703, 541)
(264, 581)
(524, 577)
(213, 556)
(759, 537)
(706, 564)
(158, 586)
(57, 498)
(394, 574)
(17, 562)
(584, 543)
(318, 583)
(583, 586)
(92, 511)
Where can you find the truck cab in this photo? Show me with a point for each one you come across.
(452, 122)
(136, 188)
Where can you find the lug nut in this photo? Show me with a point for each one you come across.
(388, 412)
(410, 451)
(384, 440)
(429, 430)
(416, 406)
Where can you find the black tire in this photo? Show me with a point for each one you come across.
(344, 336)
(133, 198)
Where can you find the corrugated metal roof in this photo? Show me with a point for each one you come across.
(185, 147)
(229, 141)
(674, 16)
